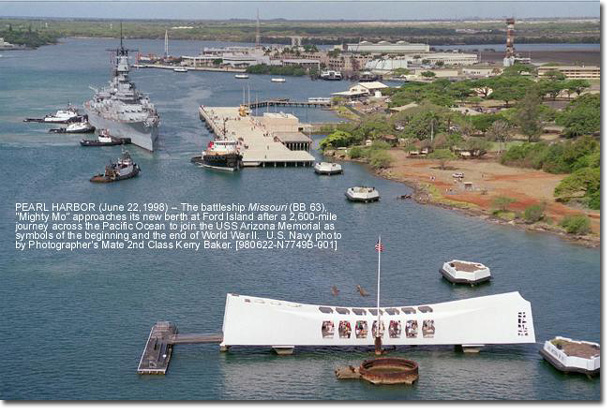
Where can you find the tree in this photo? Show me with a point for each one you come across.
(502, 203)
(582, 116)
(476, 146)
(428, 74)
(336, 139)
(500, 131)
(443, 156)
(576, 224)
(534, 213)
(551, 87)
(583, 185)
(576, 86)
(380, 159)
(554, 75)
(509, 88)
(528, 115)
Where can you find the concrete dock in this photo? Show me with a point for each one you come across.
(274, 139)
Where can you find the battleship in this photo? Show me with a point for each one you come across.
(123, 110)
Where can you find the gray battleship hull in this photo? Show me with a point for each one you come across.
(140, 134)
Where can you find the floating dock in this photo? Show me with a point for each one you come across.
(274, 139)
(160, 345)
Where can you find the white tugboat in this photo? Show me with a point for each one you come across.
(472, 273)
(66, 116)
(327, 168)
(81, 127)
(572, 356)
(362, 194)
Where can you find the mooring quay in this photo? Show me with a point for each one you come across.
(274, 139)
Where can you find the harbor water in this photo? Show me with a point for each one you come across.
(75, 323)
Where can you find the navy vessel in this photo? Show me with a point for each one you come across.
(122, 109)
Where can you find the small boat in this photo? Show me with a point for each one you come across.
(242, 76)
(327, 168)
(68, 115)
(362, 194)
(472, 273)
(82, 127)
(222, 155)
(104, 139)
(180, 70)
(572, 356)
(331, 75)
(278, 80)
(124, 168)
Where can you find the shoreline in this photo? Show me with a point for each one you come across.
(423, 193)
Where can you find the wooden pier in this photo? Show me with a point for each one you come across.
(275, 139)
(160, 345)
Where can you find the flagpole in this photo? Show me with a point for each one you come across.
(378, 287)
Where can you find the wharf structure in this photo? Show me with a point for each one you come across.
(274, 139)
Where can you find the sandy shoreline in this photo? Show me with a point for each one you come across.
(489, 179)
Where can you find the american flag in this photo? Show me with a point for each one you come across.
(379, 246)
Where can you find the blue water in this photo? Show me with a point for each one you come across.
(75, 324)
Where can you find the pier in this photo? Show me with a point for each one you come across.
(316, 103)
(160, 345)
(275, 139)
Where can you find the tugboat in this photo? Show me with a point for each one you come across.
(70, 114)
(362, 194)
(572, 356)
(104, 139)
(81, 127)
(223, 155)
(124, 168)
(327, 168)
(472, 273)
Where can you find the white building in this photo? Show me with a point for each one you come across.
(496, 319)
(383, 47)
(362, 89)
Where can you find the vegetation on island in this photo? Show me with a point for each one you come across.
(27, 36)
(291, 70)
(279, 31)
(432, 121)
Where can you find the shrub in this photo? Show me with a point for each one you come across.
(503, 202)
(356, 152)
(576, 224)
(534, 213)
(380, 159)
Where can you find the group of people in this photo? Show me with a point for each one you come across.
(361, 329)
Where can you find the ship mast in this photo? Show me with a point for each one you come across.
(166, 45)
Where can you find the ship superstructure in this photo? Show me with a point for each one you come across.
(122, 109)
